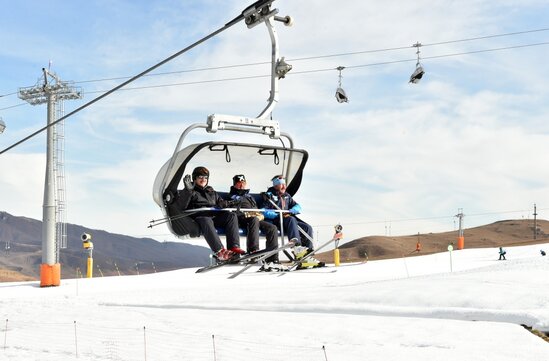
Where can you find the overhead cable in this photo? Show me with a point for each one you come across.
(146, 71)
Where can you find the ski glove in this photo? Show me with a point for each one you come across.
(188, 183)
(221, 203)
(270, 214)
(295, 209)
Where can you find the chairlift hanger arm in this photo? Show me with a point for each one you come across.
(253, 15)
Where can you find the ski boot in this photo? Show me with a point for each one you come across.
(310, 262)
(273, 267)
(224, 255)
(301, 252)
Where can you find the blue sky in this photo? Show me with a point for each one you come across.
(473, 134)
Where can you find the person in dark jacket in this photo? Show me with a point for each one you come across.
(290, 222)
(252, 221)
(502, 254)
(197, 194)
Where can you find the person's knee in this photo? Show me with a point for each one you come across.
(291, 222)
(253, 222)
(271, 228)
(204, 221)
(307, 228)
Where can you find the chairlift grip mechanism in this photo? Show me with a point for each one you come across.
(254, 16)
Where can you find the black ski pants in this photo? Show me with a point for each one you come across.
(225, 220)
(253, 225)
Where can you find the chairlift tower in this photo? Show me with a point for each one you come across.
(461, 238)
(535, 221)
(51, 90)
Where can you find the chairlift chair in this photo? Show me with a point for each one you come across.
(259, 162)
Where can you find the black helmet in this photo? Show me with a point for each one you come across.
(200, 171)
(239, 178)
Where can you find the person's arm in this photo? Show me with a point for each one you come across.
(269, 213)
(183, 200)
(296, 209)
(223, 203)
(185, 195)
(268, 207)
(293, 206)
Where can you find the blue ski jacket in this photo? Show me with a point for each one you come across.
(283, 201)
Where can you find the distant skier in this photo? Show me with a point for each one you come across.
(542, 252)
(502, 253)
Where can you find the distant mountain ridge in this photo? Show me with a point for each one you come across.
(112, 254)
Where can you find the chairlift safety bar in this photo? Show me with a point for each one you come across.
(232, 122)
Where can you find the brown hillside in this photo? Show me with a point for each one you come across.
(502, 233)
(13, 276)
(113, 253)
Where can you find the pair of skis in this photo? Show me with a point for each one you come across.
(260, 257)
(297, 263)
(248, 260)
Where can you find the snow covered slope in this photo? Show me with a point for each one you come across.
(420, 308)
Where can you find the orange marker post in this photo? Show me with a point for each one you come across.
(50, 274)
(461, 242)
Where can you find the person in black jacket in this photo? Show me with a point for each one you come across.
(197, 194)
(252, 221)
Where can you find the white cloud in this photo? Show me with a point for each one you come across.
(22, 183)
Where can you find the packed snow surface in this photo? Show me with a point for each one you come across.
(463, 305)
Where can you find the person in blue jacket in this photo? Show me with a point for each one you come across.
(290, 221)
